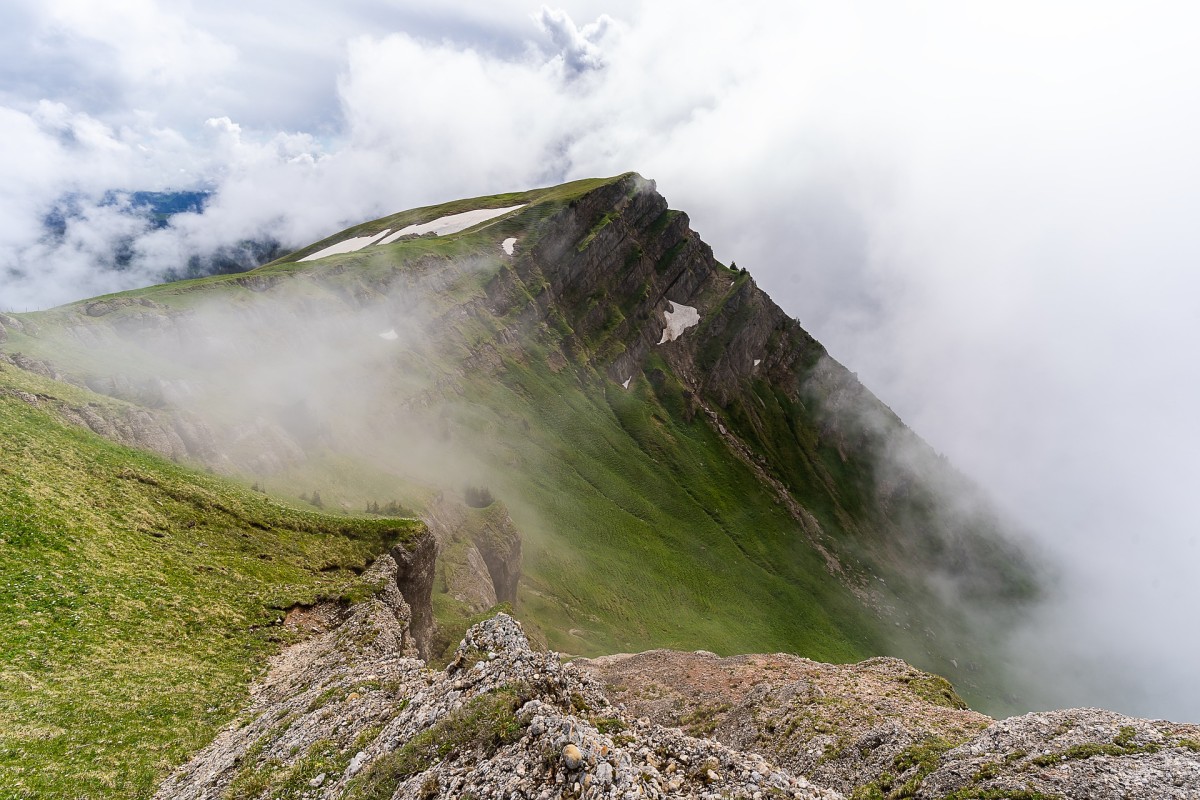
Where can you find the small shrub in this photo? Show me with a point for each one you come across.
(394, 509)
(390, 509)
(609, 724)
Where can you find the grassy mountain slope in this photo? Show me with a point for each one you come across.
(137, 598)
(743, 494)
(643, 531)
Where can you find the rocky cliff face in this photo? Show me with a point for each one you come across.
(415, 565)
(481, 550)
(350, 714)
(174, 435)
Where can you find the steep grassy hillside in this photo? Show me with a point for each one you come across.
(743, 494)
(644, 533)
(138, 598)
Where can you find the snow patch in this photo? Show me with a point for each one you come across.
(453, 223)
(757, 361)
(625, 385)
(508, 244)
(441, 226)
(679, 319)
(390, 335)
(347, 246)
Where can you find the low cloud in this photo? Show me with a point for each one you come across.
(987, 213)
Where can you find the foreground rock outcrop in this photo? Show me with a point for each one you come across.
(351, 713)
(883, 729)
(842, 726)
(1082, 752)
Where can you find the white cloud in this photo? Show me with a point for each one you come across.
(987, 211)
(154, 50)
(578, 47)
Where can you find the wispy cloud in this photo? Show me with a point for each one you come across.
(988, 212)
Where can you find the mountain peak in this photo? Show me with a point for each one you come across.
(601, 425)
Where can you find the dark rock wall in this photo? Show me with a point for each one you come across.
(415, 567)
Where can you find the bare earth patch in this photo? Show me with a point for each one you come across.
(839, 725)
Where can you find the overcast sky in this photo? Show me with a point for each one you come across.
(988, 211)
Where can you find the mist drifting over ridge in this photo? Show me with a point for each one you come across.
(986, 214)
(507, 370)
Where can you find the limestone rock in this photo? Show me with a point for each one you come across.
(572, 757)
(415, 568)
(840, 726)
(480, 550)
(1083, 752)
(505, 721)
(368, 717)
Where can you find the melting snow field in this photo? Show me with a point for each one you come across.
(679, 319)
(347, 246)
(390, 335)
(442, 226)
(508, 244)
(453, 223)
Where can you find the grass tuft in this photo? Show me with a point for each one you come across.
(485, 724)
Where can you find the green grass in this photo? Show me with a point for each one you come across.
(1122, 745)
(137, 601)
(484, 724)
(936, 690)
(542, 202)
(276, 781)
(641, 531)
(917, 761)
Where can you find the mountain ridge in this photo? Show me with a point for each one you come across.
(678, 463)
(595, 262)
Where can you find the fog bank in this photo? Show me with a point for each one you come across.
(988, 213)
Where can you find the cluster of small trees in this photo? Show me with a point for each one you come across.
(389, 509)
(478, 496)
